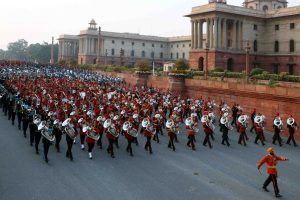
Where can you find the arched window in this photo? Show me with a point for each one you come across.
(255, 46)
(112, 52)
(276, 46)
(143, 54)
(201, 63)
(161, 55)
(183, 55)
(292, 46)
(265, 8)
(171, 55)
(132, 53)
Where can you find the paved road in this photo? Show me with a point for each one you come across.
(218, 173)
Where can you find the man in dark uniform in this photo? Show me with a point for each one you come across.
(25, 121)
(47, 144)
(37, 138)
(277, 130)
(19, 114)
(253, 114)
(58, 133)
(28, 119)
(292, 126)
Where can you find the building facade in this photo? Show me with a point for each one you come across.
(121, 48)
(218, 30)
(271, 28)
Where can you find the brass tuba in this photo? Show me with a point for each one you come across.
(93, 135)
(69, 128)
(278, 122)
(46, 132)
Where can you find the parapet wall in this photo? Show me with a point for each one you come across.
(265, 99)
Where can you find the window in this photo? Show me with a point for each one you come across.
(265, 8)
(113, 41)
(292, 26)
(152, 45)
(152, 54)
(291, 69)
(276, 46)
(275, 68)
(171, 55)
(132, 53)
(183, 45)
(132, 43)
(277, 27)
(161, 55)
(143, 44)
(255, 46)
(161, 46)
(292, 46)
(177, 55)
(123, 42)
(183, 55)
(255, 27)
(143, 54)
(171, 45)
(177, 45)
(112, 52)
(190, 45)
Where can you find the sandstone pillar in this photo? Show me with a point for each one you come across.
(216, 22)
(200, 35)
(193, 35)
(234, 35)
(196, 34)
(225, 42)
(208, 31)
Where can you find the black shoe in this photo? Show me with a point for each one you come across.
(46, 160)
(255, 143)
(174, 149)
(278, 195)
(112, 156)
(31, 144)
(265, 189)
(37, 152)
(25, 136)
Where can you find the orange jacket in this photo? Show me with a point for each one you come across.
(271, 161)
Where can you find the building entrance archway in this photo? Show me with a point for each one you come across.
(230, 63)
(201, 64)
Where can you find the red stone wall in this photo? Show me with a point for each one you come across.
(219, 59)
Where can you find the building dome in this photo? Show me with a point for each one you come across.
(93, 22)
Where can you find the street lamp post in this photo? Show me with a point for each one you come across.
(206, 61)
(247, 48)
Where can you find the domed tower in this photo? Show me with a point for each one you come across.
(93, 25)
(265, 5)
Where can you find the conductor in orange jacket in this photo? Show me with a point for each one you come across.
(271, 160)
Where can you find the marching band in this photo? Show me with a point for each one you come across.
(55, 101)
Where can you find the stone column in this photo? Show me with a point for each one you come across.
(211, 37)
(208, 31)
(225, 34)
(241, 35)
(216, 30)
(196, 34)
(219, 43)
(234, 30)
(200, 46)
(193, 31)
(238, 35)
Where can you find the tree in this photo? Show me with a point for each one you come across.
(142, 65)
(17, 50)
(181, 64)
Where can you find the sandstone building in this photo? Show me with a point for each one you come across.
(272, 29)
(121, 48)
(218, 29)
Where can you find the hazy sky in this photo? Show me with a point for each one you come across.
(39, 20)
